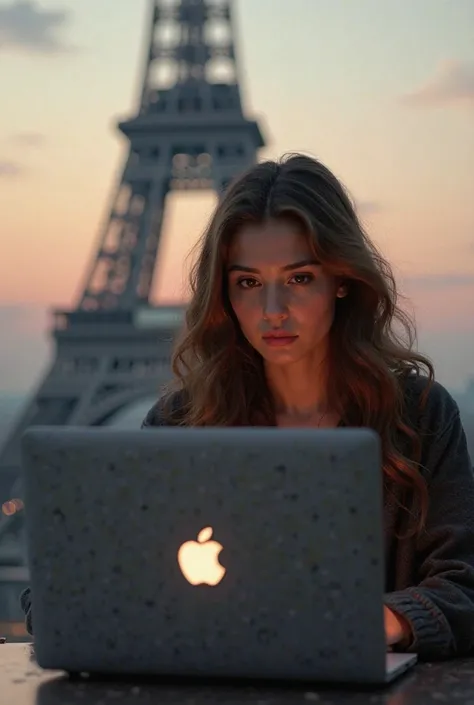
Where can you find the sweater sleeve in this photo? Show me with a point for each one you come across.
(154, 417)
(440, 608)
(166, 412)
(25, 602)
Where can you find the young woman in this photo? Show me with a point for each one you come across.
(293, 321)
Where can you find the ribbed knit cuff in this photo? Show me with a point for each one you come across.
(432, 636)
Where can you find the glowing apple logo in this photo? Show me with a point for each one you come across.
(199, 560)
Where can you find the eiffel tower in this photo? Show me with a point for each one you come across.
(189, 133)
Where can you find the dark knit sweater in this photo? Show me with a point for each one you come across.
(429, 577)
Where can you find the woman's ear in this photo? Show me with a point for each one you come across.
(342, 290)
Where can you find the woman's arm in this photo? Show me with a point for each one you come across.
(25, 602)
(440, 608)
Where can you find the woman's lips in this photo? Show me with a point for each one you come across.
(278, 341)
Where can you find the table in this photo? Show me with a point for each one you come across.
(22, 682)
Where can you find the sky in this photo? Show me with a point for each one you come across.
(382, 91)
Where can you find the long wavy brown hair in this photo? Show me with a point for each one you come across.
(219, 377)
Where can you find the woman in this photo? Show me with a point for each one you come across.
(293, 321)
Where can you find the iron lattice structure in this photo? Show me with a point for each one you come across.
(189, 133)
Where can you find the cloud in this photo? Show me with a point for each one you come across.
(27, 27)
(28, 139)
(439, 281)
(10, 170)
(451, 84)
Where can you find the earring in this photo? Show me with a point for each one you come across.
(342, 291)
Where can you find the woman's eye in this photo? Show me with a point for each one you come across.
(247, 283)
(301, 278)
(252, 283)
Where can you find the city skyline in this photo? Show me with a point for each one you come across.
(387, 103)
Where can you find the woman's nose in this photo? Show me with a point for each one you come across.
(274, 303)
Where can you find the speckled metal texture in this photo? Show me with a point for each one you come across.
(299, 513)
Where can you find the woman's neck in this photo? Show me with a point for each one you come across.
(299, 389)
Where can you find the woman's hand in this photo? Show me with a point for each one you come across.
(397, 629)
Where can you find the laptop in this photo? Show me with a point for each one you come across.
(243, 553)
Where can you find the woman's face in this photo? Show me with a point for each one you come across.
(283, 299)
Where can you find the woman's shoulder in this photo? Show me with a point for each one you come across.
(428, 401)
(168, 411)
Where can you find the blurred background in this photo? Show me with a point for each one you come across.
(380, 90)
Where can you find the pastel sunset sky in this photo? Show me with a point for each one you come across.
(381, 90)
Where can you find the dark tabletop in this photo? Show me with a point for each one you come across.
(22, 682)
